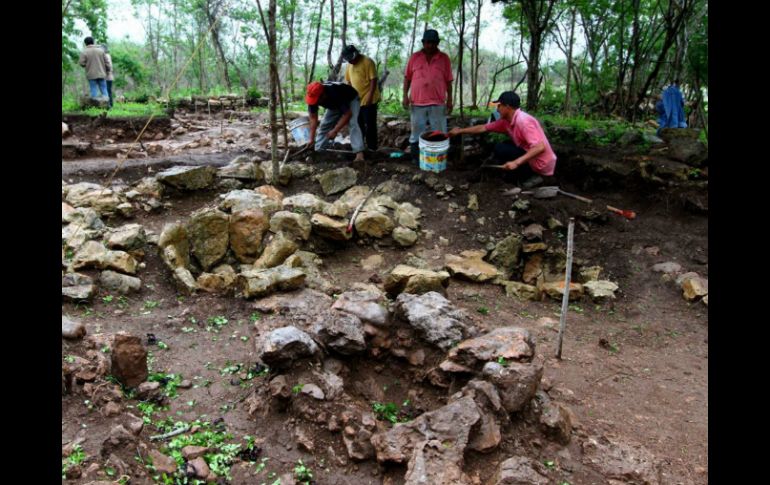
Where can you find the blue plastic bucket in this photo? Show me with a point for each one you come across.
(300, 130)
(433, 154)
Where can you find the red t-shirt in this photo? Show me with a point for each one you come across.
(428, 79)
(526, 132)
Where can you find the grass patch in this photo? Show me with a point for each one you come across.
(118, 110)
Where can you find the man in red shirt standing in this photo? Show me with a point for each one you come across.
(530, 154)
(429, 74)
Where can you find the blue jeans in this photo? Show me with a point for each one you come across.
(331, 117)
(97, 86)
(434, 114)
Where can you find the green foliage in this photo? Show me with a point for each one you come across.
(390, 412)
(253, 94)
(91, 12)
(303, 473)
(215, 323)
(170, 382)
(219, 458)
(75, 458)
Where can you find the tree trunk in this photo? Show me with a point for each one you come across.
(317, 32)
(533, 72)
(335, 74)
(331, 39)
(538, 17)
(273, 93)
(427, 11)
(414, 26)
(275, 81)
(291, 49)
(476, 63)
(460, 57)
(201, 71)
(212, 15)
(621, 51)
(674, 22)
(567, 108)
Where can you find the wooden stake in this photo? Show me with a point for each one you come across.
(567, 278)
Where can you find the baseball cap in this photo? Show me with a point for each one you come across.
(314, 91)
(509, 98)
(430, 35)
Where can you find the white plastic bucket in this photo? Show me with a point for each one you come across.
(433, 154)
(300, 130)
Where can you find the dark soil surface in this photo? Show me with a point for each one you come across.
(646, 384)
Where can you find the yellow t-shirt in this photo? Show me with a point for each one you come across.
(359, 75)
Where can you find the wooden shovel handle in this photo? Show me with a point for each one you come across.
(578, 197)
(625, 213)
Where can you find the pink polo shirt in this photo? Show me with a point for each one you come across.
(428, 79)
(526, 132)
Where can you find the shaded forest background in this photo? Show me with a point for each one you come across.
(616, 56)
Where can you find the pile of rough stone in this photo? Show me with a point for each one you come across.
(524, 256)
(261, 232)
(693, 285)
(87, 243)
(492, 380)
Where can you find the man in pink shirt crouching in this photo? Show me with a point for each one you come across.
(529, 154)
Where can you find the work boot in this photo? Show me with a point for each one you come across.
(415, 150)
(532, 182)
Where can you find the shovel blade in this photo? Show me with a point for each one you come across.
(545, 192)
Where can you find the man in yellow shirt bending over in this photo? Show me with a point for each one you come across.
(361, 73)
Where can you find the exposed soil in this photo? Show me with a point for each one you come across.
(647, 383)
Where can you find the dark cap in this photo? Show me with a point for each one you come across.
(509, 98)
(349, 52)
(430, 35)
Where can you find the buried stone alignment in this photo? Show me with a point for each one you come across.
(464, 389)
(327, 370)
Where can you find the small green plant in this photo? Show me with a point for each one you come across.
(69, 359)
(162, 345)
(576, 308)
(549, 463)
(187, 329)
(302, 472)
(170, 382)
(501, 360)
(77, 457)
(261, 465)
(483, 310)
(390, 412)
(105, 349)
(150, 304)
(215, 323)
(122, 302)
(148, 409)
(230, 369)
(107, 299)
(255, 317)
(298, 388)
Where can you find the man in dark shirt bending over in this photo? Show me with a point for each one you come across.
(342, 107)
